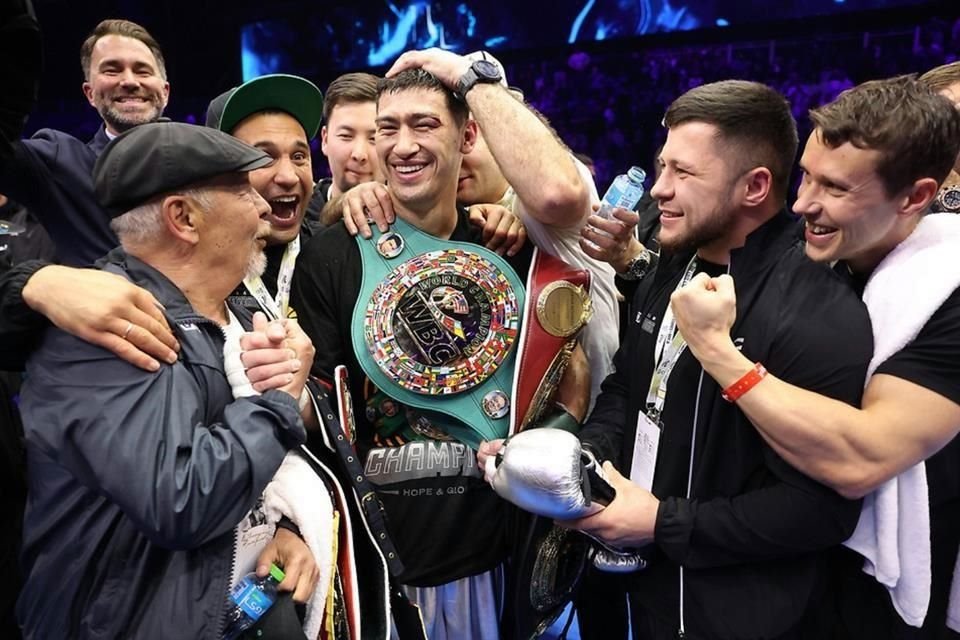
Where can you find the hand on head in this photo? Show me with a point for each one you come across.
(447, 66)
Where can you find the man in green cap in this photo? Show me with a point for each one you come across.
(278, 114)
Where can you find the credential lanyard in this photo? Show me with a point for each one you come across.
(279, 306)
(669, 347)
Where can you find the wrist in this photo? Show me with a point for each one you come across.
(622, 262)
(637, 263)
(476, 72)
(32, 292)
(723, 361)
(745, 383)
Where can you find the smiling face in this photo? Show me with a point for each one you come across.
(125, 86)
(349, 144)
(420, 148)
(847, 210)
(695, 189)
(287, 182)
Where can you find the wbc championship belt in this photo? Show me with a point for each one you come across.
(436, 327)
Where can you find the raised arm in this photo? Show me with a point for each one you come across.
(533, 160)
(852, 450)
(20, 59)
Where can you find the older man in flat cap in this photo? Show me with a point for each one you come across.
(137, 479)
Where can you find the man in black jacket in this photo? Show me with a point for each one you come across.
(125, 81)
(736, 534)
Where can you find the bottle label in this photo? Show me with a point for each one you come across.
(614, 195)
(251, 600)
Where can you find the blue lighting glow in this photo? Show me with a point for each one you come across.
(373, 34)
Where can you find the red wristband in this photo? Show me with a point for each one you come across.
(744, 384)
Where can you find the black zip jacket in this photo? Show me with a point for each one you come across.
(138, 479)
(738, 537)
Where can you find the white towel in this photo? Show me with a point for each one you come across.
(298, 493)
(295, 491)
(893, 533)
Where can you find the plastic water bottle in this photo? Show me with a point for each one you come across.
(250, 599)
(625, 192)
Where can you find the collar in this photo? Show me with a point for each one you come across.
(765, 245)
(100, 140)
(175, 304)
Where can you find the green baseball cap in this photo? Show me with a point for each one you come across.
(279, 91)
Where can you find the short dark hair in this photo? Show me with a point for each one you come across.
(939, 78)
(750, 116)
(915, 129)
(421, 79)
(126, 29)
(349, 88)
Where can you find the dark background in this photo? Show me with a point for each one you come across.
(605, 98)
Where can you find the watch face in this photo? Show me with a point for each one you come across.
(486, 70)
(948, 199)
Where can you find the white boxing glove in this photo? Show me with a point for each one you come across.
(545, 471)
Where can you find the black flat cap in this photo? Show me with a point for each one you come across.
(161, 157)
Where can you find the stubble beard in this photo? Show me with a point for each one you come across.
(121, 121)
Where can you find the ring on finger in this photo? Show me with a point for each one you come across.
(127, 331)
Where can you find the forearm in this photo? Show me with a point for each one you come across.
(824, 438)
(535, 163)
(603, 430)
(184, 502)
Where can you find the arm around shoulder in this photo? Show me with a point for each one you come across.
(147, 442)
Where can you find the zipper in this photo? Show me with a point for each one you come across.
(682, 631)
(222, 627)
(225, 608)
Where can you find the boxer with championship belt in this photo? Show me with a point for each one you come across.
(446, 522)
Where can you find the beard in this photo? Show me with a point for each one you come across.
(256, 265)
(711, 226)
(122, 121)
(711, 229)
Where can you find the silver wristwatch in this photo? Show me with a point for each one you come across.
(638, 266)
